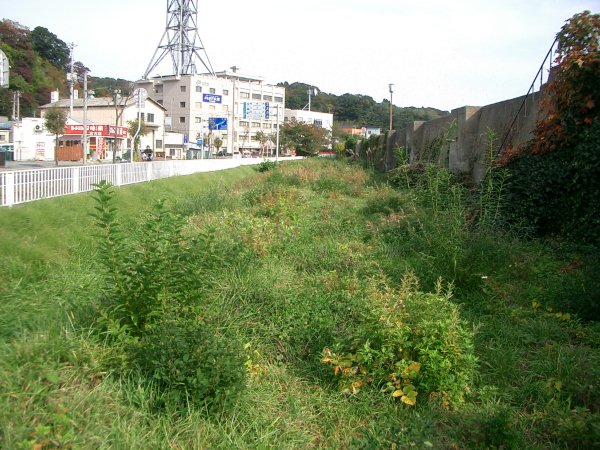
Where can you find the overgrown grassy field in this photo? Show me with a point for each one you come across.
(312, 305)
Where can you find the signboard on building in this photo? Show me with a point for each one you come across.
(256, 110)
(3, 70)
(97, 130)
(40, 150)
(217, 123)
(212, 98)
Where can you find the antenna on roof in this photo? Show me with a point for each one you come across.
(181, 40)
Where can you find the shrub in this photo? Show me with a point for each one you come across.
(190, 363)
(410, 343)
(152, 269)
(266, 166)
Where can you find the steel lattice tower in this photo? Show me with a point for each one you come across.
(181, 40)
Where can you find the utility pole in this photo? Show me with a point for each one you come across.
(85, 99)
(71, 77)
(391, 105)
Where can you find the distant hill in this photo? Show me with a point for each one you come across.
(355, 109)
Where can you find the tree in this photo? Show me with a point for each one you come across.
(55, 120)
(218, 143)
(133, 128)
(262, 138)
(305, 139)
(50, 47)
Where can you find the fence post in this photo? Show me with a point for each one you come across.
(149, 171)
(9, 187)
(75, 178)
(119, 175)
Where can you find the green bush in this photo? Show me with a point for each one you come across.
(409, 343)
(557, 193)
(153, 268)
(266, 166)
(190, 363)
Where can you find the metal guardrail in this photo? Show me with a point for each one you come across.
(539, 78)
(21, 186)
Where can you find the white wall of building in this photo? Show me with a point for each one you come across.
(193, 100)
(323, 120)
(32, 141)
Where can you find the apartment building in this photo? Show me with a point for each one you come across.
(227, 108)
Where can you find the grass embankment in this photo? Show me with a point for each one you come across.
(310, 256)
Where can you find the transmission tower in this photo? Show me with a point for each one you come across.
(181, 40)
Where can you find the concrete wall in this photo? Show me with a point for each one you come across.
(466, 146)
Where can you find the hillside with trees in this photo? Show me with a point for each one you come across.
(356, 110)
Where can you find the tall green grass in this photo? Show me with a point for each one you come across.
(308, 249)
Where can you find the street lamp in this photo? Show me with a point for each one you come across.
(391, 104)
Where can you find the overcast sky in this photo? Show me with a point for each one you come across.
(443, 54)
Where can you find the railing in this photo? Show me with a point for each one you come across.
(21, 186)
(539, 78)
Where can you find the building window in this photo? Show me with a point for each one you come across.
(198, 105)
(244, 95)
(255, 124)
(279, 99)
(182, 119)
(211, 107)
(172, 152)
(143, 117)
(267, 98)
(198, 88)
(255, 96)
(2, 137)
(225, 107)
(319, 123)
(150, 118)
(158, 89)
(158, 143)
(225, 91)
(213, 91)
(182, 88)
(160, 102)
(243, 123)
(182, 104)
(198, 119)
(266, 125)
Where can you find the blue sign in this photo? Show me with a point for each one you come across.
(199, 142)
(186, 138)
(212, 98)
(256, 110)
(217, 123)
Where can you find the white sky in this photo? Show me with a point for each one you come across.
(443, 54)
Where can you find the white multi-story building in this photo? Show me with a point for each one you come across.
(232, 107)
(318, 119)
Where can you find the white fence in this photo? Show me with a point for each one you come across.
(22, 186)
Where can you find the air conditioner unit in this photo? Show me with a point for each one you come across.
(38, 128)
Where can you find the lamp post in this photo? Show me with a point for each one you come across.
(391, 104)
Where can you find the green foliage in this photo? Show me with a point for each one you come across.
(266, 166)
(305, 139)
(157, 269)
(555, 193)
(356, 109)
(491, 195)
(411, 343)
(190, 363)
(554, 179)
(31, 73)
(50, 47)
(306, 265)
